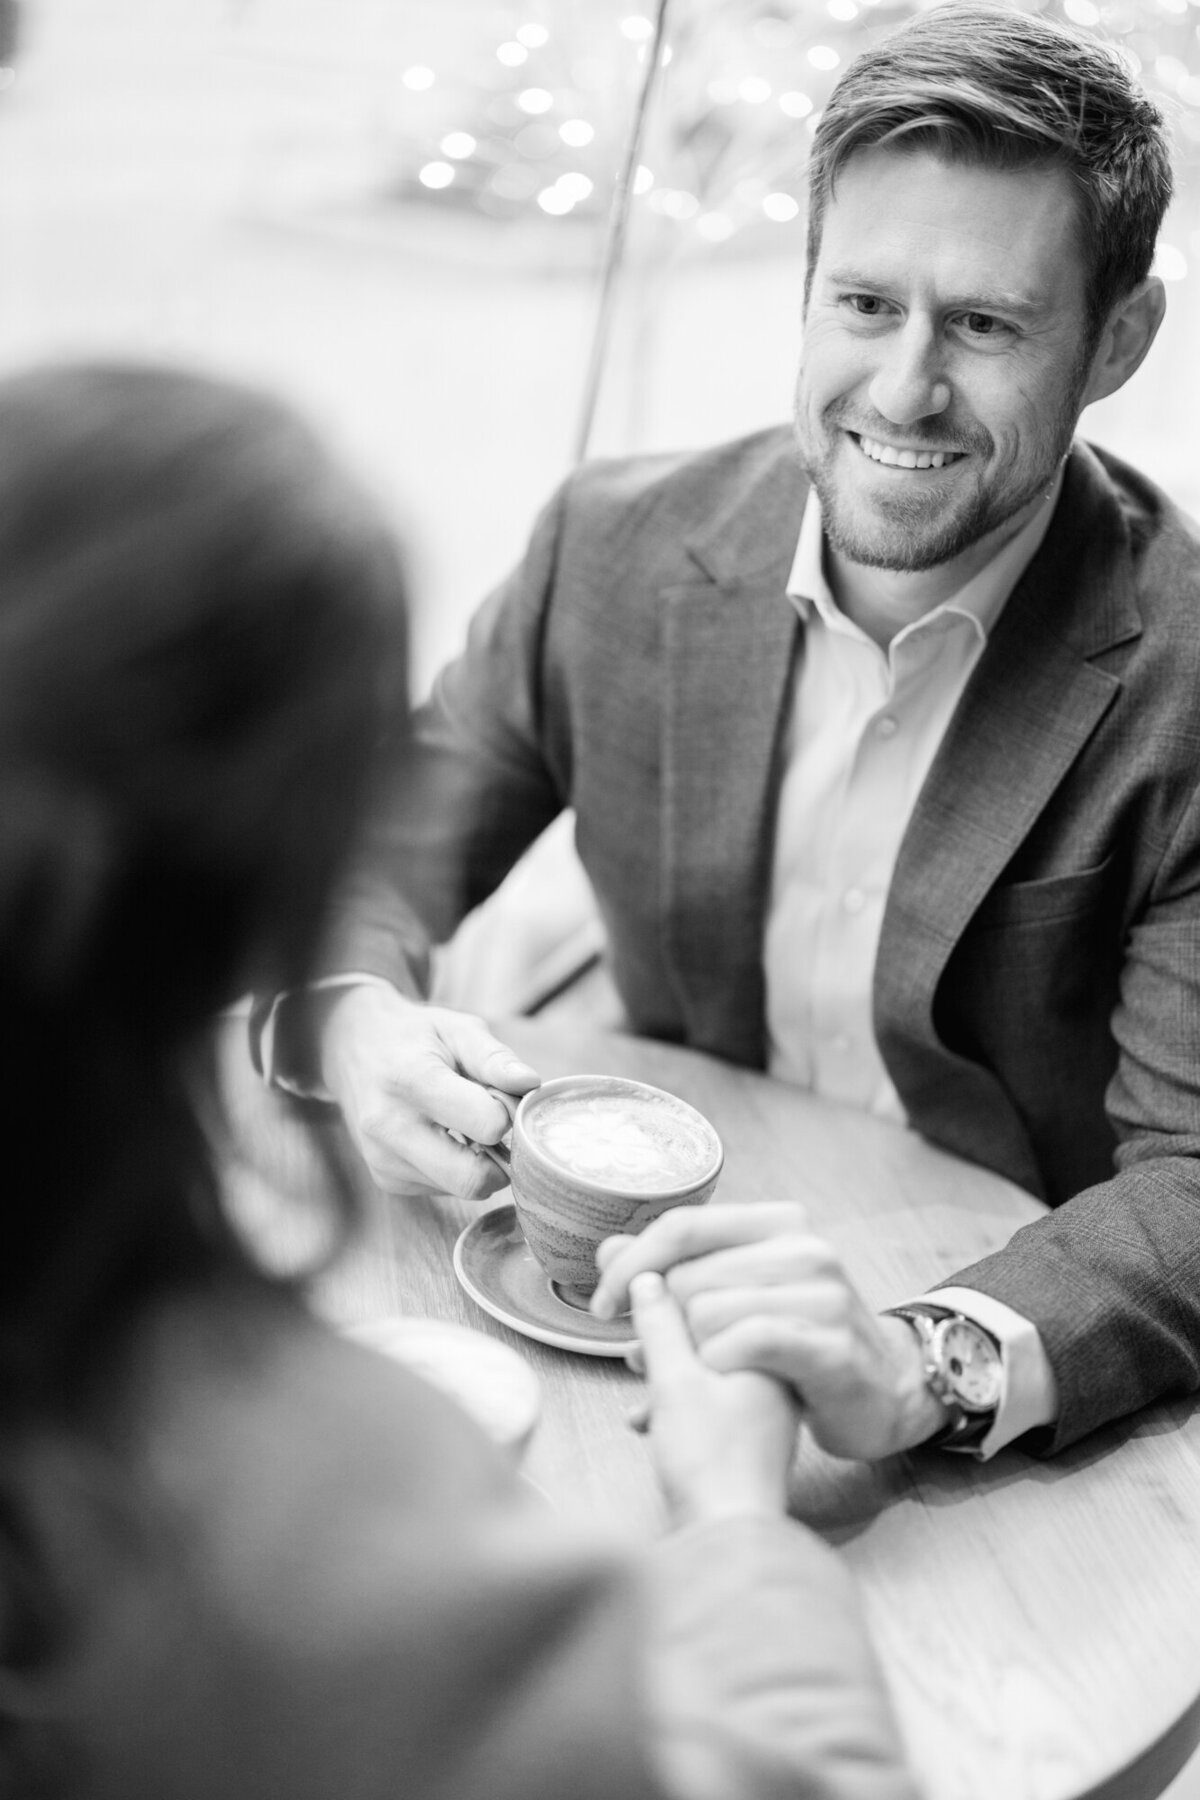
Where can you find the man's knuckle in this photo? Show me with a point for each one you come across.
(376, 1120)
(697, 1312)
(836, 1305)
(680, 1283)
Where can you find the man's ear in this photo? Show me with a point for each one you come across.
(1131, 329)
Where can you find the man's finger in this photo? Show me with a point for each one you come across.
(773, 1347)
(483, 1057)
(455, 1102)
(715, 1309)
(787, 1261)
(689, 1231)
(440, 1165)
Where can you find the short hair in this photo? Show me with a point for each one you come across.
(1006, 90)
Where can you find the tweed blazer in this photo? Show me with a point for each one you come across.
(1037, 987)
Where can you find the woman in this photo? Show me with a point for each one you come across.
(238, 1555)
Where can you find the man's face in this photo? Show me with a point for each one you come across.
(945, 359)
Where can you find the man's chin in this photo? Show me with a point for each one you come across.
(903, 551)
(908, 537)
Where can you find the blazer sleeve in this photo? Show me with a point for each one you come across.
(1111, 1278)
(471, 789)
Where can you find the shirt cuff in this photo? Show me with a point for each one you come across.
(1030, 1392)
(265, 1049)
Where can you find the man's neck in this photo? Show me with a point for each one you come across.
(881, 602)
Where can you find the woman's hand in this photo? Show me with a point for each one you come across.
(722, 1444)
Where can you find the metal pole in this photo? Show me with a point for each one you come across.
(615, 244)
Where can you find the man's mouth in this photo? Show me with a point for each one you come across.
(893, 457)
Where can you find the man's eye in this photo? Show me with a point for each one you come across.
(982, 324)
(868, 306)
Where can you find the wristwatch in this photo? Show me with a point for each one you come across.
(964, 1369)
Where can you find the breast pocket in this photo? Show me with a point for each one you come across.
(1055, 900)
(1040, 954)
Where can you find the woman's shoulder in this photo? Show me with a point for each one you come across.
(327, 1569)
(275, 1438)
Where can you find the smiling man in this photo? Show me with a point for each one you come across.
(883, 740)
(946, 361)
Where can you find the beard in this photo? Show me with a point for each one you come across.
(913, 532)
(910, 534)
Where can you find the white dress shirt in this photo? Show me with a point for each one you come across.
(866, 724)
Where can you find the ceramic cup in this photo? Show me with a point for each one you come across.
(596, 1154)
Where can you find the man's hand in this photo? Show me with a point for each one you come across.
(722, 1444)
(759, 1291)
(406, 1075)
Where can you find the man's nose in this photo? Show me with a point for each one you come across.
(910, 383)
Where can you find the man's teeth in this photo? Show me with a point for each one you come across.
(906, 459)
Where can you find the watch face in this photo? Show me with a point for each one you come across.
(971, 1363)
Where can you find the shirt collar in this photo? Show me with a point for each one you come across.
(981, 599)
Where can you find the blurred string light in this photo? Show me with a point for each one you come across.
(1170, 262)
(566, 79)
(742, 76)
(738, 88)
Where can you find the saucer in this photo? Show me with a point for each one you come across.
(487, 1379)
(497, 1268)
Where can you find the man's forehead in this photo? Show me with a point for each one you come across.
(989, 233)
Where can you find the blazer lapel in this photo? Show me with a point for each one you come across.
(730, 640)
(1032, 702)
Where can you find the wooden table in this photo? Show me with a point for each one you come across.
(1039, 1621)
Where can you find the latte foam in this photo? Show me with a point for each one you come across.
(639, 1143)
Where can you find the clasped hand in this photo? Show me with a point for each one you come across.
(759, 1291)
(722, 1444)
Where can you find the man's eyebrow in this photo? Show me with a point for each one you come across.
(985, 300)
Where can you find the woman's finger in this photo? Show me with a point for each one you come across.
(667, 1347)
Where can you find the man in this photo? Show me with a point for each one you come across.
(883, 742)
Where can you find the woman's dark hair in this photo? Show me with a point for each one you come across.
(1008, 90)
(201, 633)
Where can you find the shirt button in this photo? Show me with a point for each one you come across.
(854, 900)
(887, 726)
(841, 1043)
